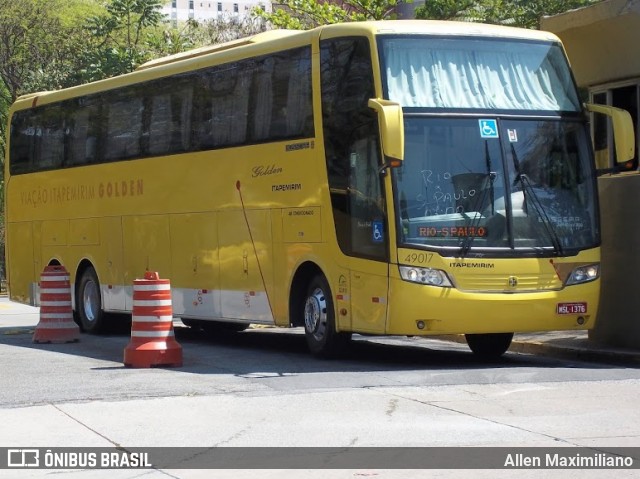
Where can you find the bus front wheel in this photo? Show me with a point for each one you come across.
(320, 321)
(89, 303)
(489, 346)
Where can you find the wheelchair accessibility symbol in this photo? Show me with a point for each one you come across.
(378, 232)
(488, 128)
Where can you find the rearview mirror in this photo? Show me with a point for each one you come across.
(391, 123)
(623, 135)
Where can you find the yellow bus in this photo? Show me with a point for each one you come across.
(385, 178)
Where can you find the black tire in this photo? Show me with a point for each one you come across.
(320, 321)
(89, 302)
(489, 346)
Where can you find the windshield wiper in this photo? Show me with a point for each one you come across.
(490, 176)
(477, 215)
(528, 190)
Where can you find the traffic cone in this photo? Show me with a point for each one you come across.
(56, 323)
(152, 339)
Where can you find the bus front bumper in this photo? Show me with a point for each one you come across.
(427, 310)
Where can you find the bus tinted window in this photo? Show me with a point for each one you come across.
(229, 105)
(160, 128)
(352, 148)
(250, 101)
(124, 126)
(83, 129)
(22, 142)
(50, 139)
(281, 96)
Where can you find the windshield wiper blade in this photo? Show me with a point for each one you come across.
(528, 190)
(477, 216)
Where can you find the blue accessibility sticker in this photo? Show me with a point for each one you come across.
(378, 232)
(488, 128)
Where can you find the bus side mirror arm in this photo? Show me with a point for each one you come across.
(623, 135)
(391, 124)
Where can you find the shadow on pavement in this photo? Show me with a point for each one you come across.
(282, 351)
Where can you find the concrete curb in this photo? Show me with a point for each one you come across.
(569, 348)
(568, 351)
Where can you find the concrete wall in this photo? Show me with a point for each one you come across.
(603, 45)
(602, 41)
(619, 314)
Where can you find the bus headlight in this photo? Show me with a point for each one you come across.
(430, 276)
(584, 274)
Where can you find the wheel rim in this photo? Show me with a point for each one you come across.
(315, 314)
(91, 301)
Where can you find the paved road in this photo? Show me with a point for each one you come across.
(261, 388)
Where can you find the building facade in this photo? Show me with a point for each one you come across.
(182, 10)
(603, 46)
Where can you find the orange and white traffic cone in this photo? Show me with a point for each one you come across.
(153, 341)
(56, 323)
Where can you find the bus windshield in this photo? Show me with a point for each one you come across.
(480, 170)
(477, 73)
(529, 185)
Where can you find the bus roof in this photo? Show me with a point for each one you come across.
(196, 52)
(283, 39)
(440, 27)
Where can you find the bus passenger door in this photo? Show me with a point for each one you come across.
(367, 244)
(352, 154)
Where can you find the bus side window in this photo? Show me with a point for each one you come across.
(351, 147)
(262, 100)
(49, 139)
(299, 112)
(82, 133)
(124, 126)
(22, 142)
(280, 92)
(181, 119)
(230, 102)
(280, 88)
(160, 127)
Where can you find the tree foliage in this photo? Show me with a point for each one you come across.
(225, 29)
(34, 44)
(194, 33)
(117, 38)
(518, 13)
(305, 14)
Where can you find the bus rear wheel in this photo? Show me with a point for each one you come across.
(320, 321)
(489, 346)
(89, 302)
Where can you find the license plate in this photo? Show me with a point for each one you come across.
(571, 308)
